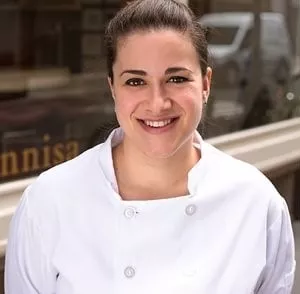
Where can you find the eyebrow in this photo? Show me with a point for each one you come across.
(170, 70)
(134, 72)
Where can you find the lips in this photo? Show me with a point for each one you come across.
(158, 123)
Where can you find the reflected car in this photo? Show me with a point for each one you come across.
(230, 36)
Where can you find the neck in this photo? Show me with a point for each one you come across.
(153, 177)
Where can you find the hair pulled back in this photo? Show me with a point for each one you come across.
(145, 15)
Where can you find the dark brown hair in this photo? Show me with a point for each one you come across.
(143, 15)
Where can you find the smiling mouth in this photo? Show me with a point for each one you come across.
(158, 123)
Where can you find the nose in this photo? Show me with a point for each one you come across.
(159, 101)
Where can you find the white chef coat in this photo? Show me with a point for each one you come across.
(73, 234)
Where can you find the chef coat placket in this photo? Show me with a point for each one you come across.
(126, 271)
(150, 241)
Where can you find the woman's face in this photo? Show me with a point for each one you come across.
(159, 91)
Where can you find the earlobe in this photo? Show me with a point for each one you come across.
(205, 98)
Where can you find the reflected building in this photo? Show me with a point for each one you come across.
(52, 82)
(54, 33)
(54, 98)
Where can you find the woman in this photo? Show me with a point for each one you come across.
(154, 209)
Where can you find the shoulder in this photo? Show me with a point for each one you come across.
(235, 171)
(78, 168)
(65, 183)
(244, 181)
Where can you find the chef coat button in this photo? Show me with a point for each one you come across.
(129, 272)
(129, 212)
(190, 209)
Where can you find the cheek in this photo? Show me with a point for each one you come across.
(128, 100)
(124, 106)
(190, 100)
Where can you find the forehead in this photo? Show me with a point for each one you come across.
(159, 48)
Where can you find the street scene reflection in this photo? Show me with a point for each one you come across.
(54, 97)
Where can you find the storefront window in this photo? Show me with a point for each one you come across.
(54, 97)
(251, 46)
(222, 35)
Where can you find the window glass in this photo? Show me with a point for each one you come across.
(54, 98)
(222, 35)
(251, 60)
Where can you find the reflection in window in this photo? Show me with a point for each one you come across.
(247, 40)
(50, 3)
(222, 35)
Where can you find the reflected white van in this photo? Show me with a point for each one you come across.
(230, 38)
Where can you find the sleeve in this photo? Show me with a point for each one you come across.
(27, 267)
(278, 275)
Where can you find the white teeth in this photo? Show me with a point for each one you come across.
(157, 124)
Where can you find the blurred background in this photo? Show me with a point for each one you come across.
(54, 98)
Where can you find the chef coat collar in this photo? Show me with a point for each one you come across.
(195, 175)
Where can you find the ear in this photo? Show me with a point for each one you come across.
(206, 84)
(111, 87)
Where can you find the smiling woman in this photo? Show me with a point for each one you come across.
(160, 95)
(155, 208)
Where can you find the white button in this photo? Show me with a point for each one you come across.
(190, 209)
(129, 272)
(129, 212)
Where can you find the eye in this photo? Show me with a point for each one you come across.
(135, 82)
(177, 80)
